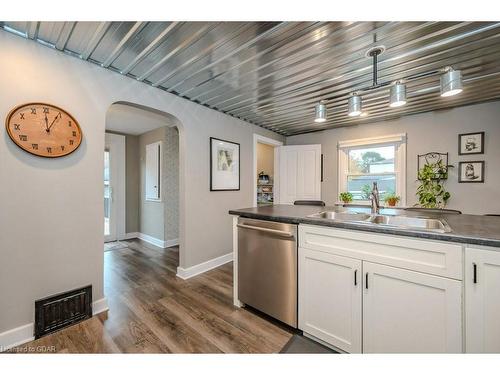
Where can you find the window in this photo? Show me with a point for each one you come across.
(381, 160)
(153, 171)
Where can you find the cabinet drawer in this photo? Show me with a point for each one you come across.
(432, 257)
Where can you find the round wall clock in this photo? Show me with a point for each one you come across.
(43, 130)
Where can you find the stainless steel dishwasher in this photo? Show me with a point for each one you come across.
(267, 268)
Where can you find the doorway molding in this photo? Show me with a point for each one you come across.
(115, 143)
(257, 138)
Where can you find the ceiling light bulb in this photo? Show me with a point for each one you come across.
(320, 112)
(451, 82)
(398, 95)
(355, 107)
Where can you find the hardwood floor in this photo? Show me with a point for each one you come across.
(153, 311)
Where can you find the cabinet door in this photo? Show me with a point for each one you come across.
(330, 298)
(410, 312)
(482, 299)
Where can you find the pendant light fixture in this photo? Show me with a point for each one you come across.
(398, 95)
(451, 82)
(320, 112)
(450, 79)
(355, 106)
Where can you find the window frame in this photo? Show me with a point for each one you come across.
(396, 140)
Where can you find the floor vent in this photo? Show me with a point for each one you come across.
(56, 312)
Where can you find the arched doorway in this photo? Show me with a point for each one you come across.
(152, 203)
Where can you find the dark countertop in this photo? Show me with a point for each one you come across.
(469, 229)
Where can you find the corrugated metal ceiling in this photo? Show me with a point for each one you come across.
(273, 73)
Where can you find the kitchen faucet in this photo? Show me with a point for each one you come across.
(374, 197)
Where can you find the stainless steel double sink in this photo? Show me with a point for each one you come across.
(417, 223)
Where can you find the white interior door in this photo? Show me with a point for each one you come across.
(330, 298)
(410, 312)
(300, 173)
(114, 187)
(482, 301)
(109, 207)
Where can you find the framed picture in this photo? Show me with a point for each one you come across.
(224, 165)
(471, 143)
(471, 171)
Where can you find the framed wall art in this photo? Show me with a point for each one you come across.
(224, 165)
(471, 171)
(471, 143)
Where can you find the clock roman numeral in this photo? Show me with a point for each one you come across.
(49, 150)
(23, 137)
(45, 110)
(71, 142)
(74, 134)
(22, 116)
(69, 123)
(17, 126)
(33, 111)
(62, 148)
(34, 146)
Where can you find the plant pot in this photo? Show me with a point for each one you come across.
(392, 202)
(346, 202)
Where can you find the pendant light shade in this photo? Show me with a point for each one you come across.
(451, 83)
(398, 95)
(355, 108)
(320, 112)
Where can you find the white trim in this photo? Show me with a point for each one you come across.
(159, 183)
(16, 336)
(393, 138)
(236, 301)
(170, 243)
(23, 334)
(150, 239)
(99, 306)
(257, 138)
(115, 143)
(399, 166)
(186, 273)
(129, 236)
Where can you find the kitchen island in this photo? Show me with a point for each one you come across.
(365, 287)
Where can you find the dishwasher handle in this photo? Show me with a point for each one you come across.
(267, 230)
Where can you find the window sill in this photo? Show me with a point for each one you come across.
(366, 205)
(154, 200)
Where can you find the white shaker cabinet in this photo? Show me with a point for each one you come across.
(482, 296)
(407, 297)
(330, 298)
(410, 312)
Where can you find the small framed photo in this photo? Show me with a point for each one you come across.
(471, 171)
(224, 165)
(471, 143)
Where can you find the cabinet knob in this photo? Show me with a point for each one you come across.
(355, 277)
(366, 280)
(474, 272)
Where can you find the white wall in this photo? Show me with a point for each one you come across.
(433, 131)
(51, 212)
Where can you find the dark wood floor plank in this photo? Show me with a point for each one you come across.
(154, 311)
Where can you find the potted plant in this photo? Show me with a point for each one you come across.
(391, 199)
(346, 197)
(431, 192)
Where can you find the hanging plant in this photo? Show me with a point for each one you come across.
(431, 192)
